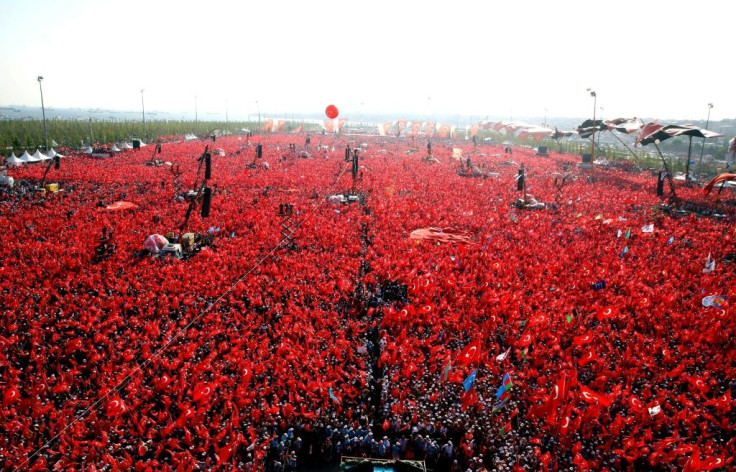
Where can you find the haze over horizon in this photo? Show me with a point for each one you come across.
(469, 58)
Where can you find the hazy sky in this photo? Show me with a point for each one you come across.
(646, 58)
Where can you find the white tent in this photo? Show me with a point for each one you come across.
(88, 150)
(25, 157)
(40, 156)
(53, 154)
(114, 148)
(13, 160)
(125, 145)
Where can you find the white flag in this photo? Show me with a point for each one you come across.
(710, 265)
(648, 228)
(655, 410)
(502, 357)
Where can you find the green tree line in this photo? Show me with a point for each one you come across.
(20, 135)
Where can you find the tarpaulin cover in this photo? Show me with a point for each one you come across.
(447, 235)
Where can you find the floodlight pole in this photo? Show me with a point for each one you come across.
(702, 147)
(599, 133)
(43, 113)
(196, 119)
(143, 107)
(592, 137)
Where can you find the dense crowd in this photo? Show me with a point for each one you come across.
(355, 339)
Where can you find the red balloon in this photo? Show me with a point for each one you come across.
(331, 112)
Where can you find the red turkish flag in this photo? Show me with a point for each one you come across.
(537, 320)
(470, 354)
(710, 463)
(605, 313)
(74, 345)
(587, 358)
(115, 407)
(565, 422)
(698, 384)
(162, 382)
(202, 393)
(186, 414)
(525, 340)
(558, 393)
(635, 404)
(247, 374)
(592, 397)
(10, 396)
(469, 398)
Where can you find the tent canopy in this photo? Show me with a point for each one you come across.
(13, 160)
(40, 156)
(25, 157)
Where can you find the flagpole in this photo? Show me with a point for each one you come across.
(667, 170)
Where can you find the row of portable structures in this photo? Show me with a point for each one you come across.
(114, 148)
(26, 158)
(38, 156)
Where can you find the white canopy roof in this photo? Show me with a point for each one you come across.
(25, 157)
(114, 148)
(40, 156)
(12, 160)
(53, 154)
(88, 150)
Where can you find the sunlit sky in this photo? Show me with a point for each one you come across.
(645, 58)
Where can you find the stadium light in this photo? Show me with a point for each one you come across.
(43, 113)
(592, 137)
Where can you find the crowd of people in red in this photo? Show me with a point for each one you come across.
(569, 337)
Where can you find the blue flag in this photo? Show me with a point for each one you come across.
(601, 284)
(468, 382)
(671, 240)
(332, 395)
